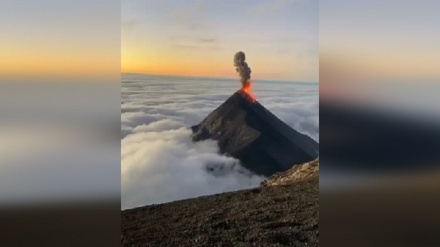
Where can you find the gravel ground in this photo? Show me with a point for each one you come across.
(266, 216)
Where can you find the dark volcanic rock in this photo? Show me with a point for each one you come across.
(249, 132)
(264, 216)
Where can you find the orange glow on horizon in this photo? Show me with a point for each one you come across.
(177, 68)
(66, 62)
(188, 74)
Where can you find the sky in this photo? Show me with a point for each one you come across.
(280, 38)
(60, 38)
(200, 38)
(381, 39)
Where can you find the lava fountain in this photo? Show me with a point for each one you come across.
(247, 89)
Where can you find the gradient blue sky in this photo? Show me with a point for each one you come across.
(200, 38)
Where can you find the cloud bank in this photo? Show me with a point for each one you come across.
(160, 163)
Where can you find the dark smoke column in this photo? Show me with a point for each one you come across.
(242, 67)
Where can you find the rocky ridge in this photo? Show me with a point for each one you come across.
(298, 173)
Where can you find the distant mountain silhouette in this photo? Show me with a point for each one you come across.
(247, 131)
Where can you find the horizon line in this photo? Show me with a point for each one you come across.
(227, 78)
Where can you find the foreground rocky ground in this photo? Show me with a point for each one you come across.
(271, 215)
(299, 173)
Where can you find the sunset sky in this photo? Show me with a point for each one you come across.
(200, 38)
(280, 38)
(380, 40)
(59, 38)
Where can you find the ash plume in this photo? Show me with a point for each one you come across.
(242, 67)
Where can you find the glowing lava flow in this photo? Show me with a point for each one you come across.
(247, 89)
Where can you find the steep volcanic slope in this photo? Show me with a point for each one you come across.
(246, 130)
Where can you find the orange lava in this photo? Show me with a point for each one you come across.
(248, 90)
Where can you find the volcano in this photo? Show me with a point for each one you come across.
(249, 132)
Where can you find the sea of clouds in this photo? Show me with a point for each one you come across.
(160, 163)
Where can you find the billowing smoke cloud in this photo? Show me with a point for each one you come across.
(242, 67)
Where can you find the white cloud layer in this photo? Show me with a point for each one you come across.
(160, 163)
